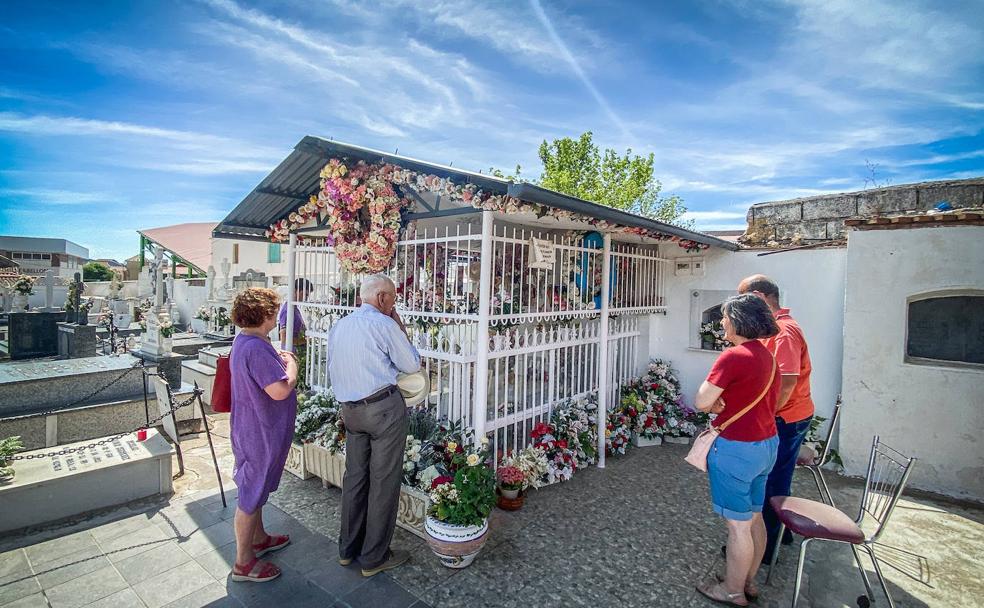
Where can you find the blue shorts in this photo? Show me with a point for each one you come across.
(738, 471)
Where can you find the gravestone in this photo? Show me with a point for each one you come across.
(46, 490)
(33, 334)
(49, 292)
(76, 341)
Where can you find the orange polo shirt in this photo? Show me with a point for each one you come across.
(793, 357)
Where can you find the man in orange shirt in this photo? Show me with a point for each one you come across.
(795, 407)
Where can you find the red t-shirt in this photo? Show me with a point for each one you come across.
(742, 371)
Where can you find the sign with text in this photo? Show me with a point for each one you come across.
(542, 254)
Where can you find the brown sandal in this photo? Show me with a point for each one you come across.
(717, 593)
(255, 572)
(751, 592)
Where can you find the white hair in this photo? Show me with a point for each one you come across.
(373, 284)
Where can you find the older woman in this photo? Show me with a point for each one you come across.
(739, 462)
(264, 405)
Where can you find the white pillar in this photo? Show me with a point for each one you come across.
(603, 371)
(291, 275)
(481, 383)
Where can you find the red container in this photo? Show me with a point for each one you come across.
(141, 434)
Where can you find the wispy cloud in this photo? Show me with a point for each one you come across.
(48, 196)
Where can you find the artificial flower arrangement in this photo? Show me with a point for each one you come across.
(368, 190)
(510, 478)
(531, 461)
(654, 404)
(222, 318)
(204, 313)
(577, 422)
(319, 421)
(561, 459)
(712, 336)
(24, 285)
(618, 436)
(167, 325)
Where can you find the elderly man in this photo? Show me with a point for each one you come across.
(366, 351)
(795, 406)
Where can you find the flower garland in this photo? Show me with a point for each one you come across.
(342, 195)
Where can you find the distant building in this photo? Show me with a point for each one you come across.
(115, 266)
(35, 255)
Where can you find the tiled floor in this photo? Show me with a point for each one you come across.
(180, 556)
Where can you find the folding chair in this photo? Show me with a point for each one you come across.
(810, 460)
(888, 472)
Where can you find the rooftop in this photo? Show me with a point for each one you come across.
(34, 244)
(192, 242)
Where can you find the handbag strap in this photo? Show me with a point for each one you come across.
(765, 390)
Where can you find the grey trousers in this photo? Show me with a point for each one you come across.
(375, 440)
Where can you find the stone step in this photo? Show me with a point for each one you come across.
(209, 355)
(47, 490)
(204, 375)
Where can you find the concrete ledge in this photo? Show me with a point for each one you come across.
(49, 489)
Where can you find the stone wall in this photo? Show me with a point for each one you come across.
(818, 219)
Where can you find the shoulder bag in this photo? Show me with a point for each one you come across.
(703, 442)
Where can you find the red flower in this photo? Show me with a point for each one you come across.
(541, 429)
(649, 422)
(632, 412)
(561, 444)
(653, 386)
(443, 479)
(661, 421)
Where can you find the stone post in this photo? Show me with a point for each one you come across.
(49, 291)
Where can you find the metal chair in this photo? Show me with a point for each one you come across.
(888, 472)
(810, 460)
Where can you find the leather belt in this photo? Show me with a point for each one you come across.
(373, 398)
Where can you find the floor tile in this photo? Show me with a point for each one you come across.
(133, 543)
(86, 589)
(213, 595)
(337, 579)
(17, 586)
(379, 592)
(13, 562)
(219, 562)
(107, 532)
(31, 601)
(172, 585)
(57, 547)
(126, 598)
(208, 539)
(151, 563)
(67, 567)
(184, 521)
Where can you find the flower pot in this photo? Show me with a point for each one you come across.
(456, 546)
(198, 326)
(510, 494)
(19, 302)
(644, 442)
(510, 500)
(322, 463)
(678, 440)
(166, 344)
(412, 511)
(295, 464)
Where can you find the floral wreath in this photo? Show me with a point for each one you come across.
(338, 192)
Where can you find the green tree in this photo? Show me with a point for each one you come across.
(577, 167)
(96, 271)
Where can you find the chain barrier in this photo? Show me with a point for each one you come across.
(61, 408)
(174, 408)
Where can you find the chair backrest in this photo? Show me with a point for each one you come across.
(830, 433)
(888, 472)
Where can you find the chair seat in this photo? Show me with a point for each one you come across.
(814, 519)
(806, 457)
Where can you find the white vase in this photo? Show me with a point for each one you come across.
(510, 494)
(642, 442)
(678, 440)
(198, 326)
(167, 344)
(456, 546)
(19, 302)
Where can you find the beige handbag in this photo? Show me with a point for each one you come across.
(703, 442)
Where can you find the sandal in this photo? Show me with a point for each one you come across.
(751, 591)
(717, 593)
(255, 572)
(271, 544)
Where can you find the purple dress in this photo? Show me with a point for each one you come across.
(298, 321)
(261, 428)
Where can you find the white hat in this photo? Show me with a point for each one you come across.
(414, 387)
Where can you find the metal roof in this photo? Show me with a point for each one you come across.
(297, 177)
(34, 244)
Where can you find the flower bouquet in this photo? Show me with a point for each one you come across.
(712, 336)
(617, 433)
(577, 422)
(561, 459)
(511, 480)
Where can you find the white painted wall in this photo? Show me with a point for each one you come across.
(811, 284)
(252, 255)
(935, 413)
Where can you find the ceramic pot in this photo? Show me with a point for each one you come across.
(167, 344)
(510, 494)
(510, 503)
(19, 302)
(456, 546)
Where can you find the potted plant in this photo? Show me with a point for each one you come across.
(511, 484)
(8, 447)
(457, 522)
(84, 307)
(23, 288)
(202, 317)
(712, 336)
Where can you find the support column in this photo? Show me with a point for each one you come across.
(481, 385)
(291, 276)
(603, 370)
(143, 246)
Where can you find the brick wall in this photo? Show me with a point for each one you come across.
(817, 219)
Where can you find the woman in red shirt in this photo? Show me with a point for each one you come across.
(739, 462)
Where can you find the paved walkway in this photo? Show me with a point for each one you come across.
(639, 533)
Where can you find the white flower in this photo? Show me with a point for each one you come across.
(472, 460)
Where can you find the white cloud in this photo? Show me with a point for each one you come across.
(50, 196)
(707, 216)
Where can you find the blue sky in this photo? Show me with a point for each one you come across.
(132, 115)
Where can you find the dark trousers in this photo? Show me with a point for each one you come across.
(375, 439)
(780, 481)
